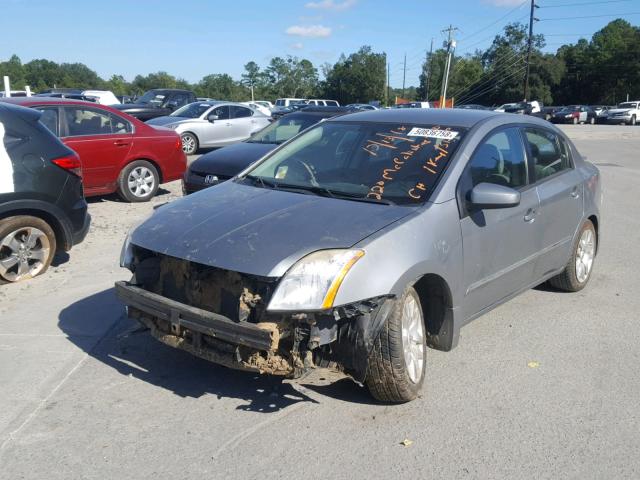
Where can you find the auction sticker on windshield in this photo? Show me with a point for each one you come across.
(432, 133)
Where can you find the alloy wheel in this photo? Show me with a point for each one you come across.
(23, 253)
(188, 144)
(584, 255)
(141, 181)
(413, 339)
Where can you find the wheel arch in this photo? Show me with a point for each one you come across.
(46, 214)
(436, 300)
(596, 225)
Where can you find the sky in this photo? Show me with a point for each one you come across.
(193, 38)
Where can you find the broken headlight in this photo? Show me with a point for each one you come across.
(313, 282)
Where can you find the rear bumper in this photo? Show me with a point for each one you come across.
(179, 316)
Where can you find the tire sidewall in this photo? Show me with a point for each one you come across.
(417, 386)
(123, 184)
(10, 224)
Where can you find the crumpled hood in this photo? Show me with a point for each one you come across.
(619, 110)
(259, 231)
(231, 160)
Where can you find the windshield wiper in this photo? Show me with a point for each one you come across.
(357, 198)
(260, 181)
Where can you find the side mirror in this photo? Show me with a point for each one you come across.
(491, 195)
(212, 118)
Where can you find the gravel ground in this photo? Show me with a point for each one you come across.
(545, 386)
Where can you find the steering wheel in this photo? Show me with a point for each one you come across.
(309, 171)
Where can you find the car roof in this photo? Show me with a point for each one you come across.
(445, 116)
(28, 101)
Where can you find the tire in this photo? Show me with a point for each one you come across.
(592, 120)
(633, 120)
(572, 279)
(138, 182)
(190, 143)
(390, 378)
(27, 248)
(575, 121)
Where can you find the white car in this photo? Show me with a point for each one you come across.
(212, 124)
(103, 97)
(15, 93)
(264, 103)
(260, 108)
(626, 112)
(504, 106)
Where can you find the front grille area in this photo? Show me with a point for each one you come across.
(213, 289)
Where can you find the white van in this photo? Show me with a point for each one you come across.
(286, 102)
(103, 97)
(323, 103)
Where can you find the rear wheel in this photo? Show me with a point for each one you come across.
(190, 143)
(592, 120)
(27, 247)
(138, 181)
(397, 361)
(577, 273)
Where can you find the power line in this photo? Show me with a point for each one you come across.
(590, 16)
(468, 99)
(493, 23)
(487, 86)
(468, 47)
(582, 3)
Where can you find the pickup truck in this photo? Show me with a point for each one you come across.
(157, 103)
(626, 112)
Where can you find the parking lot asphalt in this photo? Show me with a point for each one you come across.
(545, 386)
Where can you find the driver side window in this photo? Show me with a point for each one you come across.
(223, 112)
(500, 159)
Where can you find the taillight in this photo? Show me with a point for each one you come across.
(179, 144)
(69, 163)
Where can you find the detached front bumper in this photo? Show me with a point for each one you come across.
(208, 335)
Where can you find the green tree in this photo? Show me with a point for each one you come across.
(14, 69)
(221, 87)
(360, 77)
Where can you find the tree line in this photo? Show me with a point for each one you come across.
(603, 70)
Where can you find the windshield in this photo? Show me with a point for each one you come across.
(283, 129)
(152, 97)
(192, 110)
(377, 162)
(280, 102)
(627, 105)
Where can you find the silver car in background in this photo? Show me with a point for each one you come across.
(364, 240)
(212, 124)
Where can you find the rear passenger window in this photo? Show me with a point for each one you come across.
(549, 154)
(82, 121)
(241, 112)
(500, 159)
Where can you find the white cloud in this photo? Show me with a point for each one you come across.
(312, 31)
(331, 5)
(504, 3)
(297, 46)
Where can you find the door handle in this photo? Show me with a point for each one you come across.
(120, 143)
(530, 216)
(575, 193)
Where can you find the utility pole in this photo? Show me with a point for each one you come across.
(429, 60)
(404, 73)
(531, 20)
(388, 83)
(451, 45)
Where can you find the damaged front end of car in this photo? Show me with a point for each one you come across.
(253, 323)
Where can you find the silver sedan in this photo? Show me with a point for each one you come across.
(212, 124)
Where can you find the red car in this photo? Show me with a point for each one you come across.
(118, 152)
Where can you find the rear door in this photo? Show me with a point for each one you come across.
(500, 245)
(103, 141)
(560, 189)
(243, 123)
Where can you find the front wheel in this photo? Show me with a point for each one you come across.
(27, 247)
(189, 143)
(592, 120)
(397, 360)
(633, 120)
(138, 181)
(575, 121)
(577, 273)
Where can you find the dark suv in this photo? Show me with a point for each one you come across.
(42, 206)
(157, 103)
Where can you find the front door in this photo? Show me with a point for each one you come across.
(499, 245)
(219, 131)
(560, 190)
(102, 140)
